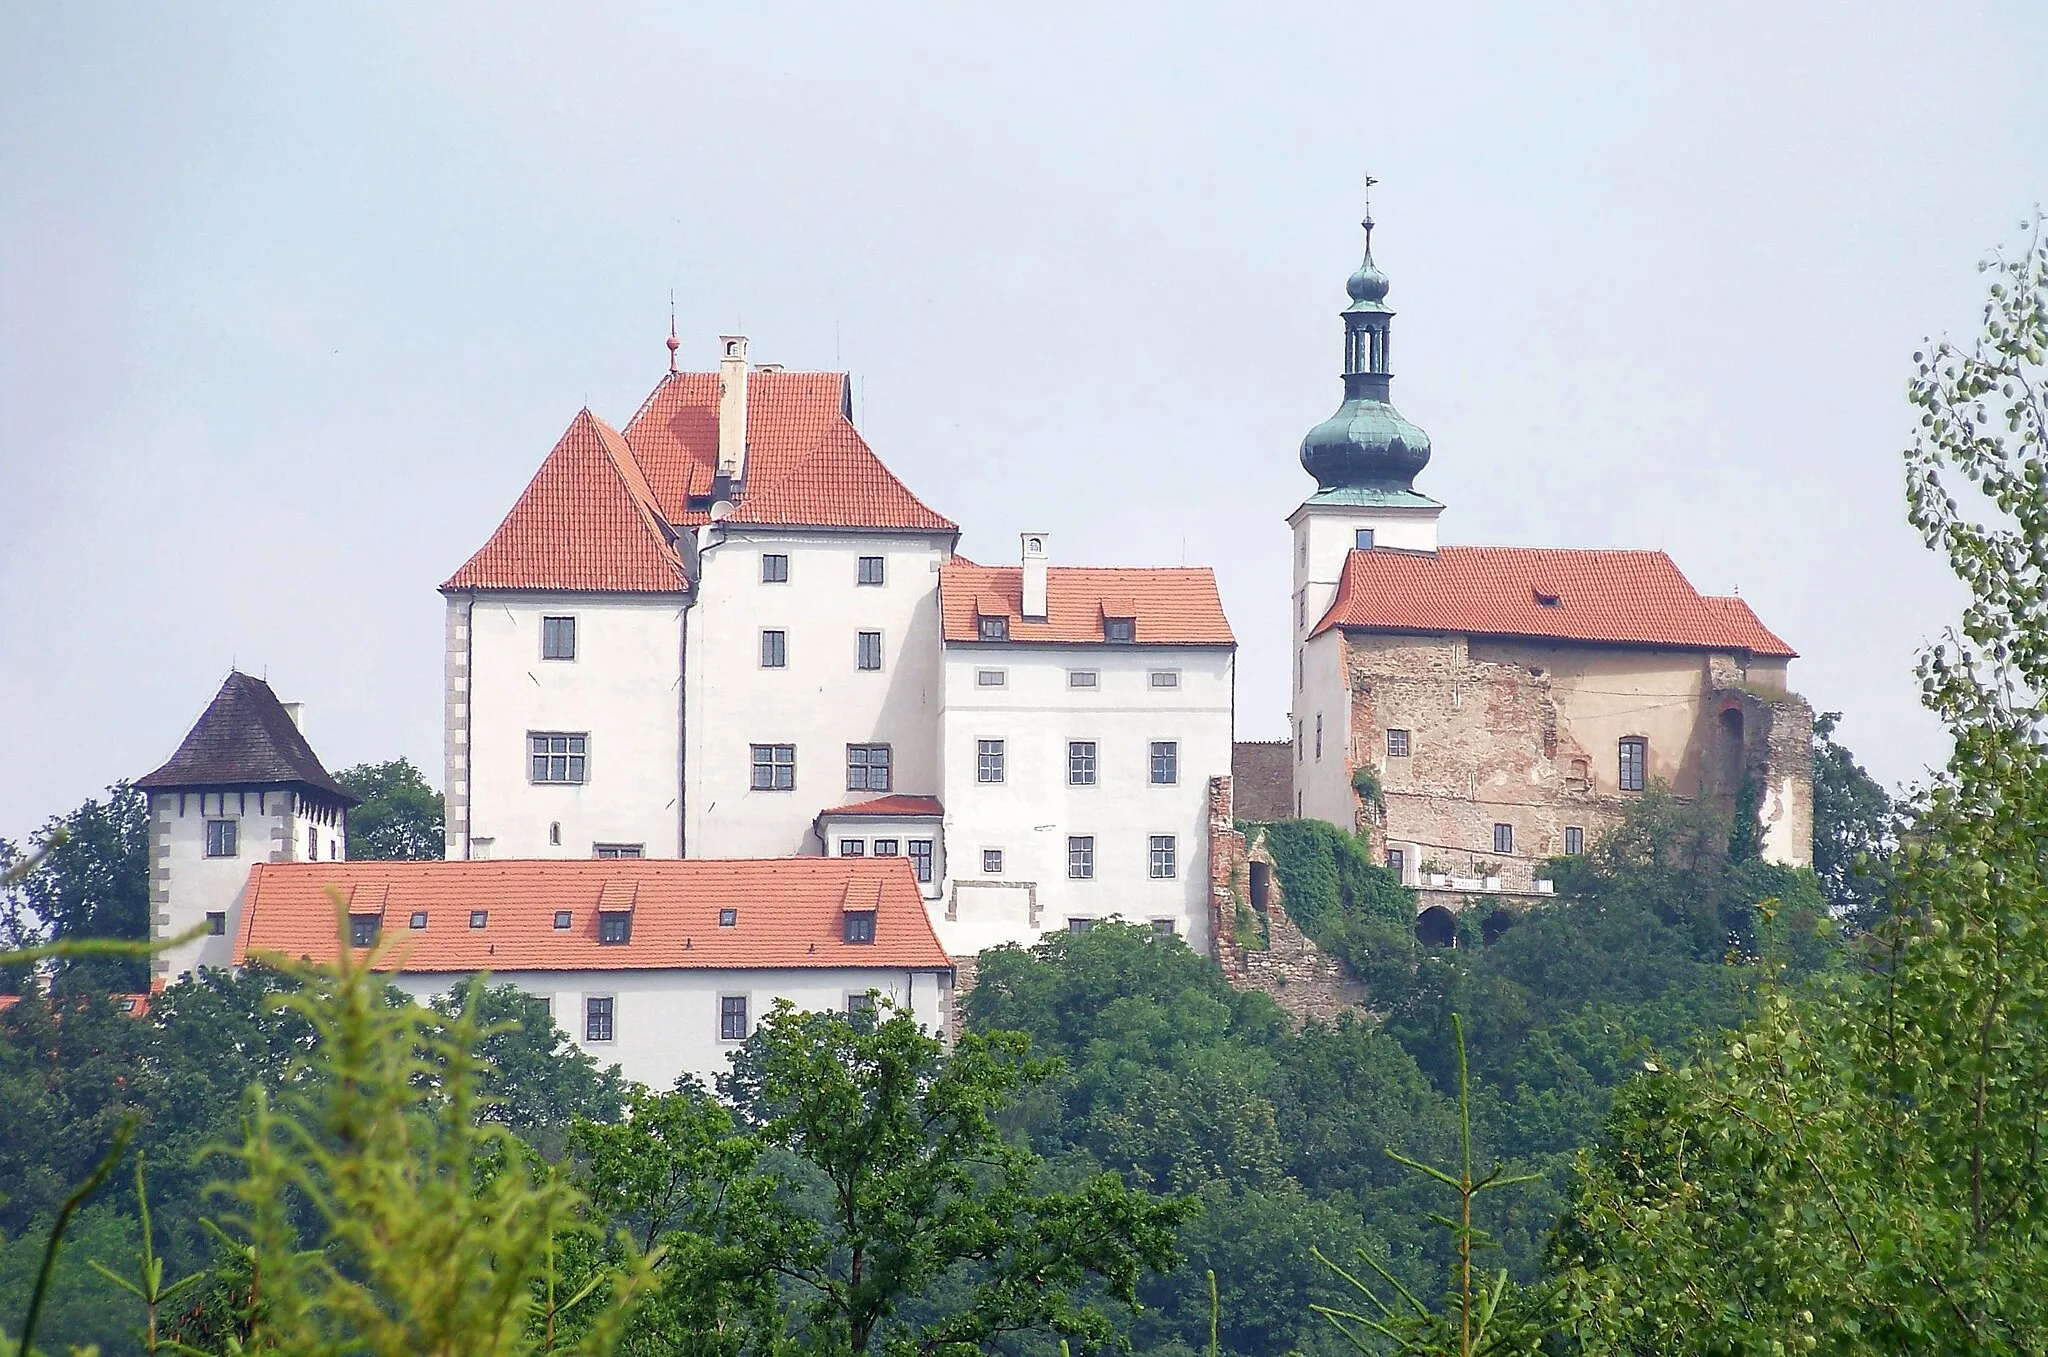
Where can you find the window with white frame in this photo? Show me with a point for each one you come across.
(1165, 763)
(1397, 744)
(558, 756)
(867, 767)
(774, 649)
(868, 650)
(1163, 865)
(774, 767)
(1635, 759)
(222, 838)
(558, 638)
(1081, 763)
(887, 848)
(853, 848)
(988, 760)
(597, 1017)
(1081, 857)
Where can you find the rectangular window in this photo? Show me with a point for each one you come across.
(1397, 861)
(869, 650)
(993, 629)
(419, 918)
(558, 638)
(860, 1005)
(363, 929)
(988, 760)
(619, 850)
(774, 649)
(1574, 839)
(614, 927)
(1165, 763)
(1081, 857)
(1164, 678)
(1319, 737)
(220, 838)
(732, 1017)
(867, 767)
(921, 858)
(1082, 678)
(774, 569)
(312, 843)
(1081, 763)
(597, 1018)
(887, 848)
(217, 922)
(1080, 925)
(1301, 609)
(1162, 857)
(563, 918)
(728, 918)
(774, 767)
(1397, 744)
(558, 756)
(1635, 754)
(1163, 928)
(991, 862)
(1362, 540)
(990, 678)
(478, 918)
(853, 848)
(871, 570)
(859, 925)
(1503, 838)
(1120, 631)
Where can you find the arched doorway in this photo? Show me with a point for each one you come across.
(1436, 927)
(1495, 924)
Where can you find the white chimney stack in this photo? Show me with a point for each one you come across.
(732, 407)
(1034, 575)
(297, 711)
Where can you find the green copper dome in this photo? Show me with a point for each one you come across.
(1367, 444)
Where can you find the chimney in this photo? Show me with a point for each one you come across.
(1034, 576)
(297, 711)
(732, 408)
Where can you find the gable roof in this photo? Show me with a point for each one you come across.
(244, 738)
(588, 521)
(1171, 606)
(1616, 597)
(788, 913)
(897, 805)
(807, 465)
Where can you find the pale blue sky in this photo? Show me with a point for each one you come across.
(293, 299)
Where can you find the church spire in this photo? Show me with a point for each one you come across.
(1366, 445)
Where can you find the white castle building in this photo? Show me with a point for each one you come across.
(730, 632)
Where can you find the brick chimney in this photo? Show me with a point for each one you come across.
(1034, 576)
(732, 408)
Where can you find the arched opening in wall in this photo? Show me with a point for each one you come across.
(1495, 924)
(1262, 877)
(1730, 770)
(1436, 927)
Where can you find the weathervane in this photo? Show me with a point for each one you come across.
(1367, 223)
(673, 342)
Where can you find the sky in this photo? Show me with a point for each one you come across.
(294, 299)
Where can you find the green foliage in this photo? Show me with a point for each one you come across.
(537, 1081)
(1334, 890)
(92, 881)
(1367, 784)
(1856, 828)
(401, 816)
(80, 1307)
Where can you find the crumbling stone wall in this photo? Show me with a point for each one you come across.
(1262, 779)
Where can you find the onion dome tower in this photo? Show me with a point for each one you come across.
(1366, 452)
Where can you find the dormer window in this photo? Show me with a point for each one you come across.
(614, 927)
(994, 629)
(1120, 630)
(363, 929)
(1549, 600)
(859, 925)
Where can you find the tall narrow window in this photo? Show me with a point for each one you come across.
(871, 570)
(597, 1018)
(869, 650)
(1081, 763)
(1319, 736)
(988, 760)
(774, 569)
(1162, 864)
(1165, 763)
(558, 638)
(1574, 839)
(558, 756)
(867, 767)
(732, 1017)
(1503, 838)
(312, 843)
(1397, 861)
(220, 838)
(774, 649)
(1081, 857)
(921, 858)
(1635, 756)
(774, 767)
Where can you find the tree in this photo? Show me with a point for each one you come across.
(400, 815)
(1855, 828)
(537, 1082)
(92, 882)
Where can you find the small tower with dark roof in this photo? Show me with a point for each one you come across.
(243, 787)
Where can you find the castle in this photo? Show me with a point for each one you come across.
(725, 637)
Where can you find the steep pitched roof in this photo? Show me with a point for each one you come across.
(788, 913)
(1171, 606)
(244, 738)
(1616, 597)
(807, 466)
(588, 521)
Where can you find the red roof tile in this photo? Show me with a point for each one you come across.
(588, 521)
(807, 466)
(1171, 606)
(788, 913)
(894, 804)
(1616, 597)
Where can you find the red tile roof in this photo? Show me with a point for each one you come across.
(1171, 606)
(588, 521)
(1616, 597)
(789, 913)
(807, 466)
(894, 804)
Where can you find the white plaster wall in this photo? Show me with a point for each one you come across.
(820, 702)
(1033, 811)
(186, 885)
(867, 829)
(1325, 534)
(1324, 783)
(665, 1023)
(623, 689)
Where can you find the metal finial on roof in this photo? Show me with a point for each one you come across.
(1367, 223)
(673, 342)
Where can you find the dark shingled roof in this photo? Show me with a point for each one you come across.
(245, 738)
